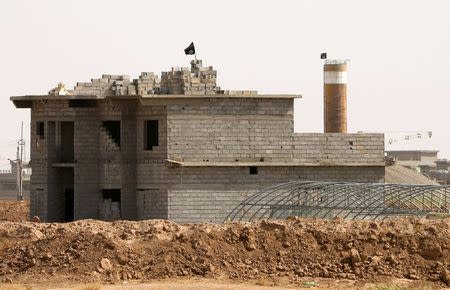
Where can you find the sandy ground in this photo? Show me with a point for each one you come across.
(208, 284)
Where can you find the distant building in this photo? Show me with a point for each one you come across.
(9, 185)
(414, 158)
(441, 171)
(411, 149)
(443, 164)
(416, 150)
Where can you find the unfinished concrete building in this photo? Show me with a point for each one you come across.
(176, 147)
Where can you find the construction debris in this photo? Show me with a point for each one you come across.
(196, 80)
(59, 90)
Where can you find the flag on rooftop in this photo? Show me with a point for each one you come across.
(190, 49)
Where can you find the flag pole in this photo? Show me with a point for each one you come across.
(195, 54)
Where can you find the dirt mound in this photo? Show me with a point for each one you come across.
(91, 250)
(14, 211)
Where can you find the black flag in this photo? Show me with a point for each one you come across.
(190, 49)
(323, 55)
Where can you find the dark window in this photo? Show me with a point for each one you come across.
(40, 130)
(67, 142)
(82, 103)
(113, 128)
(151, 134)
(112, 194)
(253, 170)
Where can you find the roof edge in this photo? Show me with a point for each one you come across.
(278, 164)
(146, 97)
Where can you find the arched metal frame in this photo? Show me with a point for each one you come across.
(359, 201)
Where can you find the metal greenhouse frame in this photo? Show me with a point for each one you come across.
(358, 201)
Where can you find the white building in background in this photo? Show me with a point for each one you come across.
(412, 149)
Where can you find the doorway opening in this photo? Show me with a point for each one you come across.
(61, 198)
(111, 204)
(67, 140)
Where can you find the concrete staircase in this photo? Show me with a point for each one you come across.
(107, 142)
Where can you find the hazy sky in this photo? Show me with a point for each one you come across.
(399, 74)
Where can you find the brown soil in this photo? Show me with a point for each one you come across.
(14, 211)
(291, 251)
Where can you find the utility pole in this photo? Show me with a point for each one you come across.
(19, 160)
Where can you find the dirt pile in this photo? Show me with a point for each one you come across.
(14, 211)
(91, 250)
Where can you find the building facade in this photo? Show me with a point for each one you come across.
(414, 158)
(440, 172)
(177, 148)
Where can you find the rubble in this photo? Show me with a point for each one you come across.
(59, 90)
(197, 80)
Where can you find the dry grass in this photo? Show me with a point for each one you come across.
(388, 286)
(263, 282)
(415, 285)
(95, 286)
(12, 287)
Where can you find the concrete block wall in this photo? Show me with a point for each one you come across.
(45, 180)
(110, 157)
(97, 165)
(335, 148)
(198, 80)
(259, 131)
(208, 194)
(92, 164)
(106, 85)
(153, 203)
(39, 164)
(151, 186)
(148, 83)
(145, 113)
(256, 130)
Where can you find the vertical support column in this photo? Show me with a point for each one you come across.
(86, 166)
(128, 165)
(335, 96)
